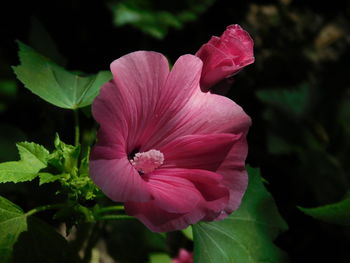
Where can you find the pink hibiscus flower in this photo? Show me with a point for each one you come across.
(173, 154)
(225, 56)
(183, 257)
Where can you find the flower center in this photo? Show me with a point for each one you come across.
(146, 162)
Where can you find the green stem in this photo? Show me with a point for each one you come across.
(114, 217)
(77, 128)
(44, 208)
(110, 209)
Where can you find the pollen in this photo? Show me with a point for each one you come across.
(146, 162)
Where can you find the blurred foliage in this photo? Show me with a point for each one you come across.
(150, 17)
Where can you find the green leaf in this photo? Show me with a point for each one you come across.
(337, 213)
(40, 243)
(247, 234)
(294, 101)
(278, 145)
(49, 178)
(188, 232)
(53, 83)
(12, 223)
(33, 153)
(159, 258)
(154, 23)
(27, 239)
(33, 158)
(153, 19)
(65, 157)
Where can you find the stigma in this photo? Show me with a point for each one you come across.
(146, 162)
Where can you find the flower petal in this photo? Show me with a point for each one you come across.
(159, 220)
(238, 33)
(225, 56)
(119, 180)
(213, 113)
(127, 104)
(204, 113)
(156, 215)
(173, 194)
(112, 134)
(205, 151)
(182, 83)
(234, 174)
(214, 193)
(218, 65)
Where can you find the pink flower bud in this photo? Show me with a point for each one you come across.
(183, 257)
(225, 56)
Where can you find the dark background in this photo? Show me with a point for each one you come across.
(297, 92)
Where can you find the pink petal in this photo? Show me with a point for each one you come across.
(213, 113)
(236, 31)
(234, 174)
(225, 56)
(113, 126)
(215, 194)
(204, 113)
(181, 85)
(156, 215)
(127, 104)
(183, 257)
(158, 220)
(119, 180)
(173, 194)
(207, 113)
(217, 66)
(206, 151)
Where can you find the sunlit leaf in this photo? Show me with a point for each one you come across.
(33, 158)
(65, 157)
(188, 232)
(45, 178)
(53, 83)
(159, 258)
(247, 234)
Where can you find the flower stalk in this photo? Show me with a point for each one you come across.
(76, 127)
(44, 208)
(110, 209)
